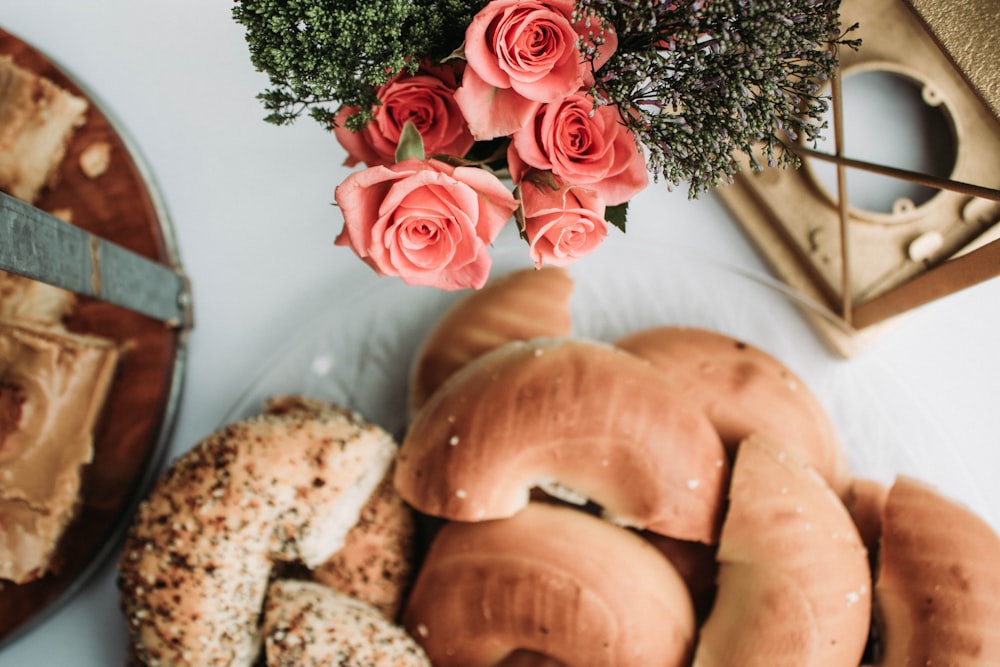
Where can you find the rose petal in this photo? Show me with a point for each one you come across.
(497, 203)
(583, 146)
(562, 224)
(359, 197)
(478, 49)
(492, 112)
(424, 220)
(357, 145)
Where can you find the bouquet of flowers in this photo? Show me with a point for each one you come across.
(552, 114)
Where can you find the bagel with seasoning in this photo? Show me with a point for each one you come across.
(375, 563)
(308, 624)
(282, 486)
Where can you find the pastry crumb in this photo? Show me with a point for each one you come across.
(95, 159)
(64, 214)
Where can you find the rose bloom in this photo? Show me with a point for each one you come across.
(582, 146)
(427, 99)
(562, 225)
(521, 53)
(425, 221)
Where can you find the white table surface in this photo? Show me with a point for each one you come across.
(251, 206)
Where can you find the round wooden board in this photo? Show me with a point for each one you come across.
(131, 439)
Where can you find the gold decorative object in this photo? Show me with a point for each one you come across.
(868, 266)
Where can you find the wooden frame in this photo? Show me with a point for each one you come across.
(869, 268)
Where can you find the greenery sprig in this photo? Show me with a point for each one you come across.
(703, 81)
(331, 52)
(699, 82)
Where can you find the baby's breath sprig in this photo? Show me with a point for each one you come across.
(320, 52)
(701, 81)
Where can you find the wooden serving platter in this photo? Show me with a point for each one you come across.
(119, 205)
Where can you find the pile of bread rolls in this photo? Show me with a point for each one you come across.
(670, 499)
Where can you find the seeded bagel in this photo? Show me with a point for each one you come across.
(281, 486)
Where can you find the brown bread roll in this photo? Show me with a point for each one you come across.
(578, 417)
(553, 581)
(525, 304)
(745, 390)
(794, 586)
(937, 593)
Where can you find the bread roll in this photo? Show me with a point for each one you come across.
(937, 594)
(595, 420)
(865, 502)
(794, 585)
(695, 563)
(745, 390)
(525, 304)
(552, 580)
(522, 658)
(307, 624)
(281, 486)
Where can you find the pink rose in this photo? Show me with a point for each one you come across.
(521, 53)
(428, 100)
(562, 225)
(425, 221)
(583, 146)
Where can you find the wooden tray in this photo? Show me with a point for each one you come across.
(120, 205)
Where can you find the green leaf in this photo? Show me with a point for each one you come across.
(542, 179)
(337, 52)
(522, 229)
(457, 54)
(411, 144)
(616, 215)
(702, 83)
